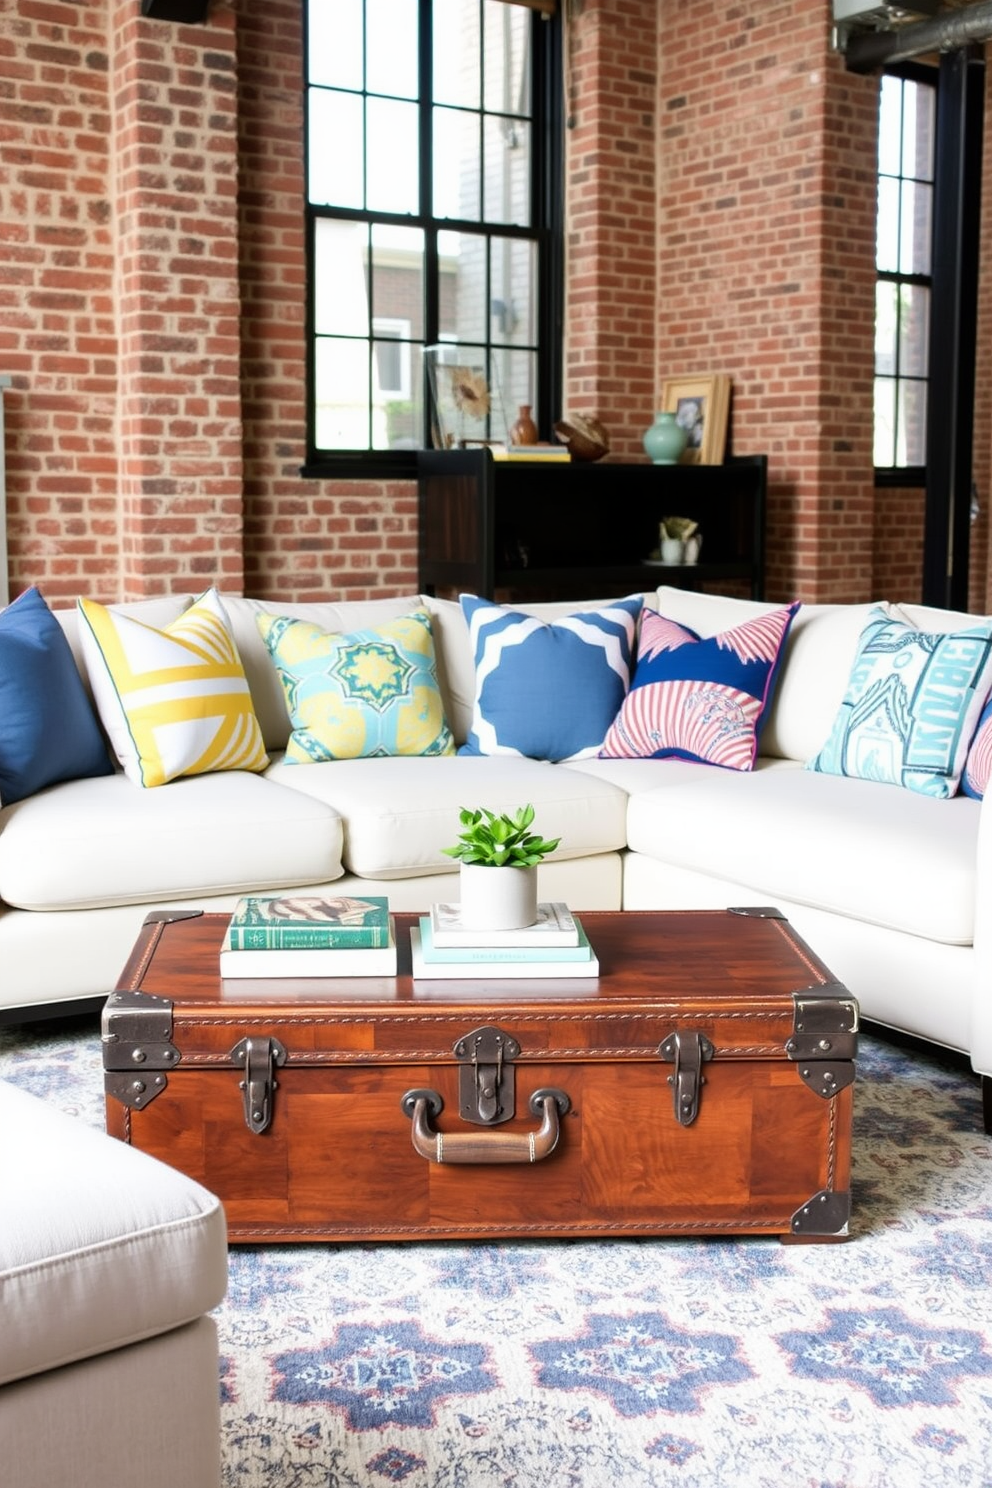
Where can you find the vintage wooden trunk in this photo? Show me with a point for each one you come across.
(702, 1084)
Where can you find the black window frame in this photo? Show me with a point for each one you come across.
(910, 476)
(547, 231)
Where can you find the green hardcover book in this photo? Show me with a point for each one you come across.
(309, 922)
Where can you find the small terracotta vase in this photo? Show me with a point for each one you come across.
(524, 430)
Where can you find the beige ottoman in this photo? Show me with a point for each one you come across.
(109, 1263)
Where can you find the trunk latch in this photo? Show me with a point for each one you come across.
(486, 1088)
(688, 1052)
(258, 1058)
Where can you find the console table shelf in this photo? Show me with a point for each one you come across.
(573, 530)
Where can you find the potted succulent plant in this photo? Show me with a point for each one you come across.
(491, 900)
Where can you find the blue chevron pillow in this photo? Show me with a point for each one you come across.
(913, 701)
(548, 690)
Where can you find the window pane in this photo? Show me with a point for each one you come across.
(334, 43)
(398, 276)
(456, 53)
(457, 167)
(885, 421)
(919, 128)
(886, 327)
(518, 379)
(341, 306)
(887, 226)
(335, 175)
(914, 330)
(915, 228)
(392, 47)
(393, 158)
(890, 126)
(513, 291)
(464, 263)
(398, 419)
(911, 446)
(507, 60)
(341, 380)
(507, 155)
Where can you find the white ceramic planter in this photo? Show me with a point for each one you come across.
(498, 898)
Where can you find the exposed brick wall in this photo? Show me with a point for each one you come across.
(720, 218)
(765, 253)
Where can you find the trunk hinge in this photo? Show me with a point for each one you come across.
(688, 1052)
(137, 1047)
(258, 1057)
(486, 1086)
(824, 1041)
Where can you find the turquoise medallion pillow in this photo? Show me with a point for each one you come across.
(350, 696)
(48, 730)
(548, 690)
(700, 699)
(913, 701)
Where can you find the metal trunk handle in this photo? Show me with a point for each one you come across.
(489, 1147)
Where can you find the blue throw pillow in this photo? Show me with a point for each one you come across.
(48, 730)
(700, 699)
(912, 705)
(548, 690)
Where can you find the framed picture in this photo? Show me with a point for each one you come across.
(701, 405)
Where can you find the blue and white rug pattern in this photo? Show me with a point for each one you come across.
(616, 1364)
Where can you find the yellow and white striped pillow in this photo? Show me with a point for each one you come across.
(174, 701)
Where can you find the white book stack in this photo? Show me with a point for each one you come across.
(556, 945)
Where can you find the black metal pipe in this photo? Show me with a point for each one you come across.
(866, 50)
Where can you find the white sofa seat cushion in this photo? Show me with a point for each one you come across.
(872, 852)
(100, 1245)
(90, 843)
(400, 813)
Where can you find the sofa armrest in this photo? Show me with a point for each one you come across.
(980, 1043)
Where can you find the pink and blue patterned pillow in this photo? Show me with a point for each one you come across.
(978, 765)
(699, 699)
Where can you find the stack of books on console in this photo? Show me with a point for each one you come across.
(556, 945)
(298, 935)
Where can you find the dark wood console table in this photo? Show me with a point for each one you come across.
(575, 530)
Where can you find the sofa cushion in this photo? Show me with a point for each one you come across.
(358, 693)
(398, 814)
(700, 699)
(90, 843)
(548, 690)
(173, 701)
(815, 665)
(267, 693)
(892, 858)
(101, 1245)
(911, 707)
(48, 730)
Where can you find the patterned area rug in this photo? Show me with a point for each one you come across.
(583, 1364)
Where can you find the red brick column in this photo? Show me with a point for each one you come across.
(173, 106)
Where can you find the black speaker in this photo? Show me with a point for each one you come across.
(190, 12)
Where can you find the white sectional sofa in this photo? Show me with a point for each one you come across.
(892, 889)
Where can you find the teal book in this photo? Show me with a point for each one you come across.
(329, 922)
(491, 955)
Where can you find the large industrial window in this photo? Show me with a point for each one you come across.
(433, 215)
(904, 245)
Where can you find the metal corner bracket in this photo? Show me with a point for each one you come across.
(137, 1047)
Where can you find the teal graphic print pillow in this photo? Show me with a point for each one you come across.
(913, 701)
